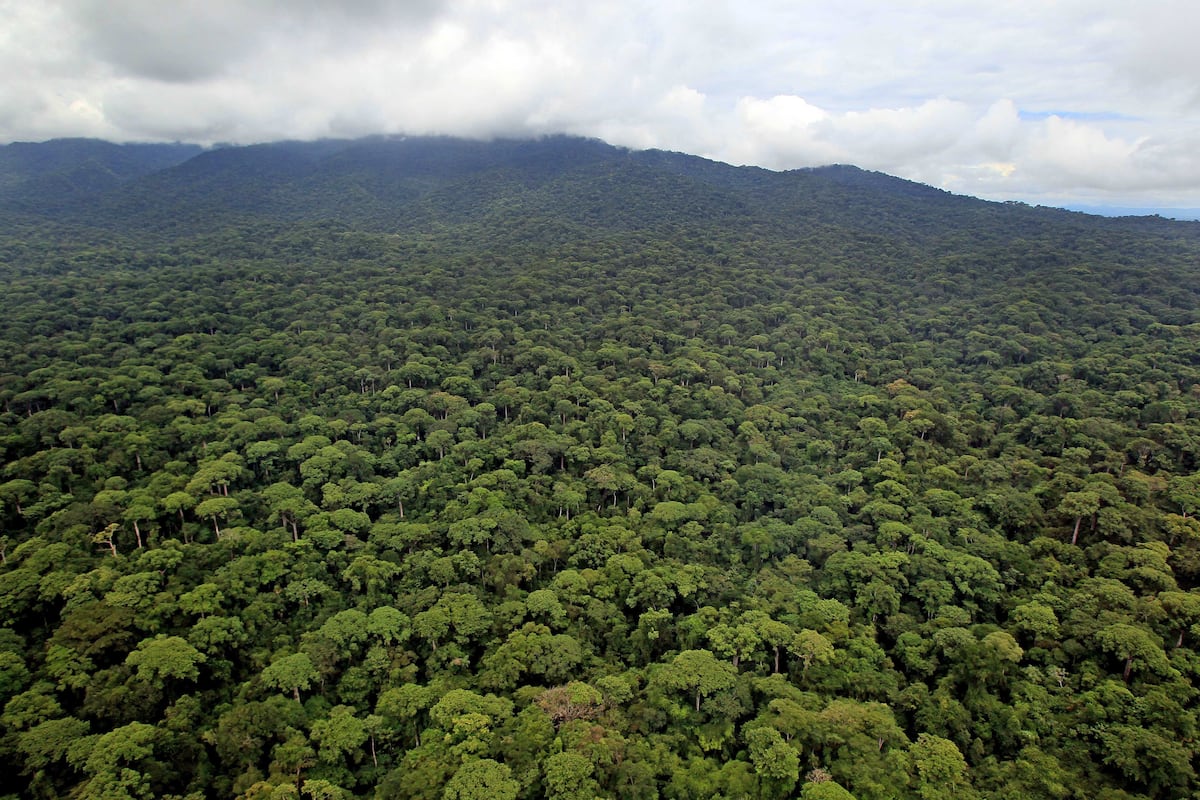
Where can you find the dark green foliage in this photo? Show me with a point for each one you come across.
(53, 176)
(441, 469)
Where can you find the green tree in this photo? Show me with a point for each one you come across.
(165, 658)
(118, 763)
(290, 673)
(1134, 646)
(1079, 505)
(340, 735)
(698, 672)
(776, 763)
(568, 776)
(825, 790)
(941, 770)
(482, 779)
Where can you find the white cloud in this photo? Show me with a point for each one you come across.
(1078, 153)
(1016, 98)
(782, 131)
(996, 132)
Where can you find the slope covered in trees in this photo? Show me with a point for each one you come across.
(437, 469)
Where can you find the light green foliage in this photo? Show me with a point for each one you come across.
(204, 600)
(49, 742)
(346, 630)
(1037, 619)
(114, 762)
(290, 673)
(458, 702)
(811, 648)
(217, 635)
(1137, 648)
(34, 705)
(569, 777)
(774, 761)
(401, 709)
(544, 604)
(699, 672)
(166, 657)
(388, 625)
(481, 779)
(340, 735)
(825, 790)
(319, 789)
(217, 509)
(455, 615)
(941, 770)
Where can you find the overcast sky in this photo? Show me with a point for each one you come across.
(1047, 101)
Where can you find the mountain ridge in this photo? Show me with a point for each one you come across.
(398, 182)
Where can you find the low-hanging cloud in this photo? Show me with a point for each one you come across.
(1042, 102)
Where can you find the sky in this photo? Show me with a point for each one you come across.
(1055, 102)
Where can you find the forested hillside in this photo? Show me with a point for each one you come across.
(440, 469)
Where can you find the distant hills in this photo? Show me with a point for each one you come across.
(53, 176)
(1187, 214)
(409, 183)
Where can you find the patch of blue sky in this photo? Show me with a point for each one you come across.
(1082, 116)
(1182, 214)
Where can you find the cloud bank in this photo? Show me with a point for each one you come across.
(1085, 101)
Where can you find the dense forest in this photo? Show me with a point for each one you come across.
(445, 470)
